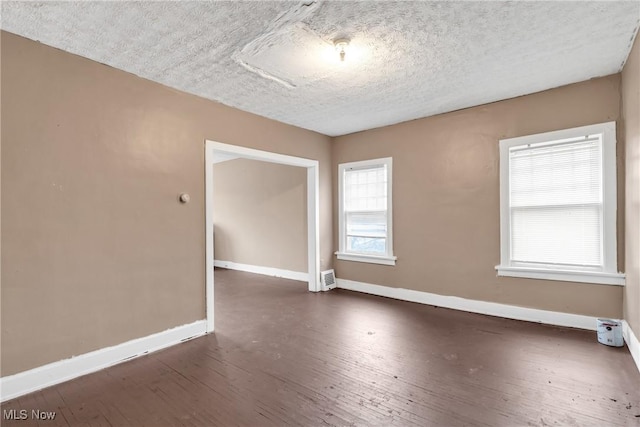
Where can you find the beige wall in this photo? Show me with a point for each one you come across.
(631, 118)
(260, 214)
(446, 198)
(96, 248)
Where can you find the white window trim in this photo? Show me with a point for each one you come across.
(372, 259)
(609, 275)
(342, 254)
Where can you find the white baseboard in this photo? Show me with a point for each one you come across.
(267, 271)
(19, 384)
(475, 306)
(632, 342)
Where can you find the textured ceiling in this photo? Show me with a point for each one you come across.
(406, 60)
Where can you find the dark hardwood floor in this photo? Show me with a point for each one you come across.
(284, 356)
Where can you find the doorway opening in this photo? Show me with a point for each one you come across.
(215, 149)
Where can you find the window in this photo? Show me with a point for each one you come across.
(365, 212)
(558, 206)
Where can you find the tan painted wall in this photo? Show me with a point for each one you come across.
(260, 214)
(631, 116)
(96, 248)
(446, 198)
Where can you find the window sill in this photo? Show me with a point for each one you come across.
(599, 278)
(372, 259)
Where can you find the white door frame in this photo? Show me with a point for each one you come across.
(313, 210)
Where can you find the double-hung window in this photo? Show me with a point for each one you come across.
(558, 205)
(365, 217)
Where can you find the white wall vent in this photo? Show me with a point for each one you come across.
(328, 280)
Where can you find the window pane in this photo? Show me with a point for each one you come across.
(569, 173)
(363, 188)
(367, 224)
(367, 232)
(557, 235)
(367, 245)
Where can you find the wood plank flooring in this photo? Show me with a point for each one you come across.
(284, 356)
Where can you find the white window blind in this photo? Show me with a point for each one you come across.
(556, 203)
(365, 209)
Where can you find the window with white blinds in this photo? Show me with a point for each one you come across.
(365, 211)
(558, 205)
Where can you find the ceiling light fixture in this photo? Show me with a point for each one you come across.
(341, 45)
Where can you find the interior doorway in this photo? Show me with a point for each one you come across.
(215, 149)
